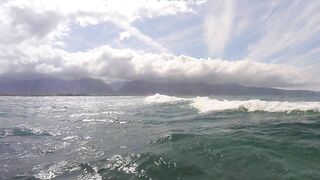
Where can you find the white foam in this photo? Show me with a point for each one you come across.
(159, 98)
(205, 104)
(84, 114)
(70, 138)
(53, 171)
(98, 120)
(112, 112)
(125, 164)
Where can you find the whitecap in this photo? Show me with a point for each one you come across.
(70, 138)
(84, 114)
(112, 112)
(93, 120)
(159, 98)
(53, 171)
(124, 164)
(206, 104)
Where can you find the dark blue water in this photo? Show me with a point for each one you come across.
(159, 137)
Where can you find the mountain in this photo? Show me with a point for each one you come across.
(186, 88)
(89, 86)
(51, 86)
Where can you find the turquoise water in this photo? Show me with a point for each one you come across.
(159, 137)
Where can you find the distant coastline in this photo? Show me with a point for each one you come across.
(94, 87)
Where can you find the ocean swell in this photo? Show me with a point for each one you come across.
(159, 98)
(206, 104)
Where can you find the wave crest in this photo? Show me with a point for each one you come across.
(159, 98)
(205, 104)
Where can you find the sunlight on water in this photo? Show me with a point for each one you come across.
(159, 137)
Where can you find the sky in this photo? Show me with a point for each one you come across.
(274, 43)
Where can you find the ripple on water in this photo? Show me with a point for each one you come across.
(22, 131)
(146, 166)
(131, 166)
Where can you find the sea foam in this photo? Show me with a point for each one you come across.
(159, 98)
(206, 104)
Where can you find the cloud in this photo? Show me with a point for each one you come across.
(124, 64)
(267, 31)
(290, 27)
(33, 33)
(38, 24)
(139, 35)
(124, 35)
(218, 26)
(45, 22)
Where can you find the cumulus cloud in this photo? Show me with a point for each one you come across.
(49, 21)
(124, 64)
(33, 31)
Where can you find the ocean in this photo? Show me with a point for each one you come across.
(160, 137)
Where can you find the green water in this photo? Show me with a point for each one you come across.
(127, 138)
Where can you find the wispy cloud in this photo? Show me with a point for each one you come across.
(279, 31)
(218, 26)
(139, 35)
(287, 27)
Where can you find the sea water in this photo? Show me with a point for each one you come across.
(160, 137)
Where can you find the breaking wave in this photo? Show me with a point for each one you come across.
(206, 104)
(159, 98)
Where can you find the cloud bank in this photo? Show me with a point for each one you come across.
(108, 63)
(33, 34)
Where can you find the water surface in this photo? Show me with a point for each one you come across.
(159, 137)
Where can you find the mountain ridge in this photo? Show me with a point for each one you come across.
(90, 86)
(83, 86)
(199, 88)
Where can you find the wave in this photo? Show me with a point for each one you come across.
(126, 166)
(98, 120)
(22, 131)
(206, 104)
(159, 98)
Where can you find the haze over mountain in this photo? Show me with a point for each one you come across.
(44, 86)
(89, 86)
(187, 88)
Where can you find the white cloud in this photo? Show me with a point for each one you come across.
(33, 31)
(275, 31)
(139, 35)
(104, 9)
(45, 22)
(269, 31)
(124, 64)
(286, 30)
(218, 26)
(124, 35)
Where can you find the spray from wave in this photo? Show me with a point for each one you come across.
(159, 98)
(206, 104)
